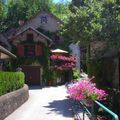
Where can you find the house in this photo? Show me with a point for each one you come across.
(31, 42)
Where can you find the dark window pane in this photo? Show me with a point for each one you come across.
(43, 19)
(30, 37)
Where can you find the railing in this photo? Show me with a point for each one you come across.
(85, 109)
(91, 112)
(115, 116)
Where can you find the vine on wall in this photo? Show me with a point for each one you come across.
(43, 59)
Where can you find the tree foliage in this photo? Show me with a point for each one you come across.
(93, 20)
(111, 22)
(3, 10)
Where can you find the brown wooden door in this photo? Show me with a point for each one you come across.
(32, 75)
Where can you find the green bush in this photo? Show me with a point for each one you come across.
(76, 74)
(10, 81)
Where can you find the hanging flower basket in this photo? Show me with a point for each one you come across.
(63, 58)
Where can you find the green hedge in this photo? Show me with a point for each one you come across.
(10, 81)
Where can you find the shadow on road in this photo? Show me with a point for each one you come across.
(61, 107)
(35, 87)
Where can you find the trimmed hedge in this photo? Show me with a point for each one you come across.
(10, 81)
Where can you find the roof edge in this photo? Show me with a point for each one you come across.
(2, 49)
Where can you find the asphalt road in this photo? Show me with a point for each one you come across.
(48, 103)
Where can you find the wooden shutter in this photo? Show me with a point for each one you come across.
(38, 50)
(20, 50)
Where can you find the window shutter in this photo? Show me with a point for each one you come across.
(38, 50)
(20, 50)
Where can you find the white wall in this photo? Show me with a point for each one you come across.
(76, 53)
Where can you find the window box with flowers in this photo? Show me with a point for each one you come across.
(86, 90)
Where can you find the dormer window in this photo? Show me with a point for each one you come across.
(43, 19)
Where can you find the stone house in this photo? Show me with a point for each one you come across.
(30, 43)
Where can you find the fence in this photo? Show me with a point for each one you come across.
(90, 110)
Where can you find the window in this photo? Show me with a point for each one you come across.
(43, 19)
(30, 37)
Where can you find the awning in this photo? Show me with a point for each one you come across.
(59, 51)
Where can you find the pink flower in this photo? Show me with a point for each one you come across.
(85, 89)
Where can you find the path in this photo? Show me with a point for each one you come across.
(45, 104)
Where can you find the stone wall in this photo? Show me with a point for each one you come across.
(11, 101)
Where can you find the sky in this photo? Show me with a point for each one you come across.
(61, 1)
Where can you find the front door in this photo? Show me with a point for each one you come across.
(32, 75)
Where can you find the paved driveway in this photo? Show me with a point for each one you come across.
(44, 104)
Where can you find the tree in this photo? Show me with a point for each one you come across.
(77, 3)
(3, 10)
(83, 24)
(16, 11)
(111, 22)
(61, 10)
(95, 20)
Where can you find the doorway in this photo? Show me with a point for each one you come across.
(32, 75)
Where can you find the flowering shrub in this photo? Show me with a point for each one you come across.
(86, 90)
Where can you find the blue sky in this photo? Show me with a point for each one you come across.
(61, 1)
